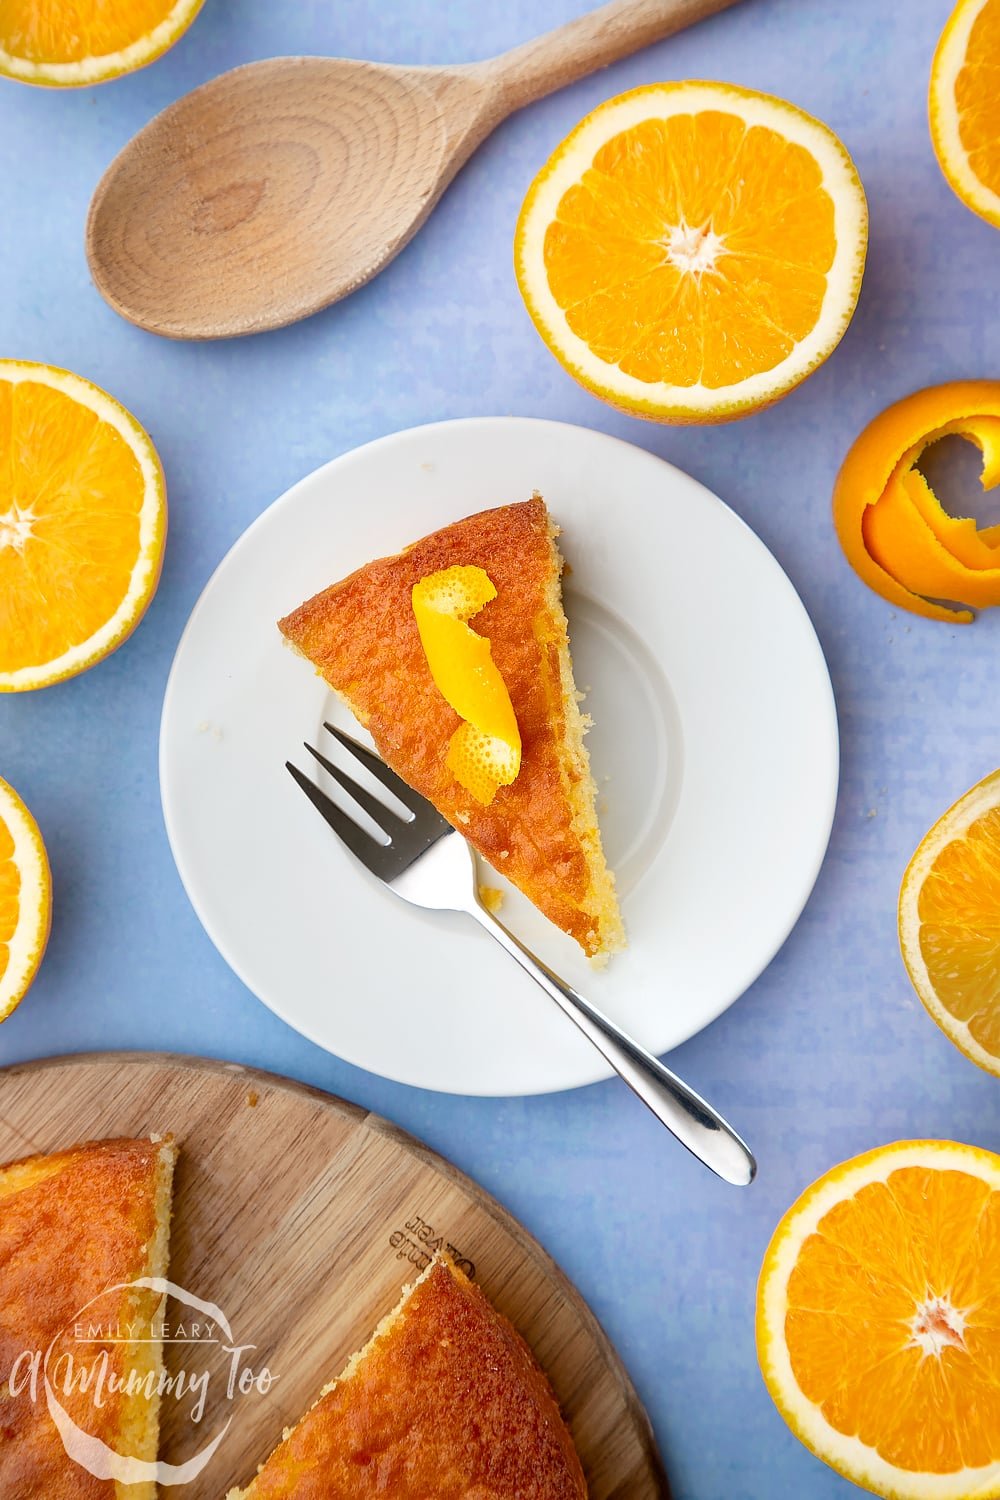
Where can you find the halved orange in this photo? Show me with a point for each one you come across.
(964, 105)
(72, 42)
(878, 1321)
(83, 519)
(25, 899)
(949, 923)
(693, 250)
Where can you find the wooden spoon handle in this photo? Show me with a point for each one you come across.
(572, 51)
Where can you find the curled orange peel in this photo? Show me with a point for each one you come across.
(484, 753)
(891, 525)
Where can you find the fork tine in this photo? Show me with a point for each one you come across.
(378, 768)
(377, 857)
(372, 806)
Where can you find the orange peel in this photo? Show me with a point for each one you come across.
(484, 753)
(896, 534)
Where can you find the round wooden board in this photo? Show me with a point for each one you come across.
(301, 1217)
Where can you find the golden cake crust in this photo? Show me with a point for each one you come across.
(362, 636)
(71, 1225)
(446, 1403)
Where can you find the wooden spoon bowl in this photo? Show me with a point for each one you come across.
(281, 186)
(274, 190)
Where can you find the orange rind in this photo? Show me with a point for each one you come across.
(896, 534)
(484, 752)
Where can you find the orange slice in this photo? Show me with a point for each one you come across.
(878, 1321)
(72, 42)
(892, 527)
(25, 899)
(949, 923)
(693, 250)
(83, 519)
(964, 105)
(484, 752)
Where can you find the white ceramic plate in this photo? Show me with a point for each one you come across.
(715, 747)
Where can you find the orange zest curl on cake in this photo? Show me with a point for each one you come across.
(484, 753)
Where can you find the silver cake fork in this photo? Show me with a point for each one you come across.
(430, 864)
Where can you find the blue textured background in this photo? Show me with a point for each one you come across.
(829, 1053)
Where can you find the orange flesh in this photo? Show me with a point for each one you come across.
(893, 1323)
(977, 97)
(81, 488)
(69, 30)
(10, 893)
(959, 911)
(678, 182)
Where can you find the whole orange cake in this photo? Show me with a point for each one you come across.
(72, 1226)
(446, 1402)
(362, 636)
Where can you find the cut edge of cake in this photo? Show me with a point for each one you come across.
(139, 1427)
(141, 1417)
(441, 1261)
(385, 1326)
(578, 779)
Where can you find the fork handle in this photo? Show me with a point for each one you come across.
(685, 1114)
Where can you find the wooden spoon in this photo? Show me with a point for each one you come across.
(281, 186)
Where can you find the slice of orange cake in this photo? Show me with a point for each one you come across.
(73, 1226)
(445, 1402)
(365, 636)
